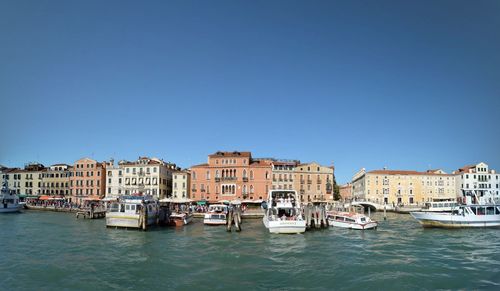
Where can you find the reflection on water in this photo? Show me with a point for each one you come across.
(44, 250)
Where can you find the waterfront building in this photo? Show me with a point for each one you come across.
(477, 178)
(26, 181)
(345, 192)
(399, 187)
(314, 182)
(231, 175)
(87, 180)
(284, 174)
(146, 176)
(56, 180)
(181, 182)
(114, 180)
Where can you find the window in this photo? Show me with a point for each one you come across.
(251, 175)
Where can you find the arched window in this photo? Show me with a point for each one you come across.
(267, 175)
(216, 173)
(244, 173)
(251, 174)
(251, 188)
(234, 189)
(244, 189)
(208, 175)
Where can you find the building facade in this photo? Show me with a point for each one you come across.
(27, 181)
(398, 187)
(87, 180)
(231, 175)
(345, 192)
(56, 180)
(314, 182)
(477, 179)
(146, 176)
(181, 182)
(284, 175)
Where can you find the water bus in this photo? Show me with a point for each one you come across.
(283, 213)
(440, 206)
(132, 212)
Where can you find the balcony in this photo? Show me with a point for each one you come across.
(318, 181)
(217, 179)
(193, 190)
(302, 191)
(202, 190)
(309, 181)
(302, 182)
(229, 178)
(245, 179)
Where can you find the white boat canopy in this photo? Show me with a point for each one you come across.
(176, 200)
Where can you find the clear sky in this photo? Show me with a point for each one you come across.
(402, 84)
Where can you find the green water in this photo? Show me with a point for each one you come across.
(47, 251)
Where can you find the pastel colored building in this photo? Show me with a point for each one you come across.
(56, 180)
(146, 176)
(88, 180)
(27, 181)
(284, 174)
(345, 192)
(478, 179)
(231, 175)
(402, 187)
(181, 185)
(314, 182)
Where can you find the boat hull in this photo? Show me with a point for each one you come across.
(215, 219)
(128, 221)
(11, 209)
(181, 221)
(447, 220)
(285, 226)
(358, 226)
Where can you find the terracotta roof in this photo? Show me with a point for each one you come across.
(231, 154)
(200, 165)
(403, 172)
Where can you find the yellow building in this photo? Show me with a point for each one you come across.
(314, 182)
(55, 180)
(27, 181)
(398, 187)
(181, 181)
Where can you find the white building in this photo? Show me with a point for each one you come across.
(477, 179)
(181, 181)
(146, 176)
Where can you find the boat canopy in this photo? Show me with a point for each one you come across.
(92, 198)
(176, 200)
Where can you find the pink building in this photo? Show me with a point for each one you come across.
(231, 175)
(88, 180)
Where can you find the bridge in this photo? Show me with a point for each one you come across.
(372, 205)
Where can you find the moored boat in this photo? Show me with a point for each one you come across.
(485, 212)
(351, 220)
(132, 212)
(180, 213)
(440, 206)
(9, 202)
(216, 215)
(283, 213)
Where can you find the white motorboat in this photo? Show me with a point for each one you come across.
(484, 212)
(9, 202)
(132, 212)
(216, 215)
(283, 213)
(351, 220)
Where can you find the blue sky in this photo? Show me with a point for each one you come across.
(402, 84)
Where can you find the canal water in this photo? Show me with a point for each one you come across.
(49, 251)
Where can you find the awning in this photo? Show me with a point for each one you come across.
(44, 197)
(92, 198)
(236, 202)
(201, 202)
(109, 199)
(224, 201)
(176, 200)
(252, 201)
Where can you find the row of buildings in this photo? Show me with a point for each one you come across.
(225, 176)
(414, 187)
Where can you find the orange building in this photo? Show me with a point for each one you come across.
(231, 175)
(88, 180)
